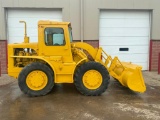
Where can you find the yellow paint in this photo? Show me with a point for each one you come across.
(36, 80)
(26, 39)
(63, 59)
(92, 79)
(90, 49)
(128, 74)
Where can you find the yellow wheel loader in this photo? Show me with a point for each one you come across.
(56, 59)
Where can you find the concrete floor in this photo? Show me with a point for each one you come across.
(66, 103)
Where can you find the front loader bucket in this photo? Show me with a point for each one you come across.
(129, 75)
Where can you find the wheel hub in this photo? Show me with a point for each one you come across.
(92, 79)
(36, 80)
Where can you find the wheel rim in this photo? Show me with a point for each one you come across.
(37, 80)
(92, 79)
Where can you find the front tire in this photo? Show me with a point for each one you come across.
(36, 79)
(91, 79)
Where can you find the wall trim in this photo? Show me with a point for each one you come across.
(6, 42)
(0, 68)
(150, 55)
(6, 51)
(159, 63)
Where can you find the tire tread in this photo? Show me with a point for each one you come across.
(29, 68)
(80, 72)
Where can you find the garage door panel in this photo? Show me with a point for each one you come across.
(20, 39)
(120, 22)
(31, 16)
(124, 32)
(131, 49)
(144, 65)
(111, 23)
(111, 14)
(126, 40)
(34, 21)
(132, 57)
(136, 14)
(15, 23)
(20, 32)
(123, 14)
(138, 23)
(32, 13)
(16, 32)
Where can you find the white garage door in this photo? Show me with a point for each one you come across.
(126, 34)
(31, 16)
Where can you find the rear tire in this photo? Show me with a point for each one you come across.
(36, 79)
(91, 79)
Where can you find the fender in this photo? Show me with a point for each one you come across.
(91, 50)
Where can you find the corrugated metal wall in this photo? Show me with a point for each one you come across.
(71, 12)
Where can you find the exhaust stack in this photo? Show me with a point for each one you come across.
(26, 39)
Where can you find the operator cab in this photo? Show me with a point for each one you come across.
(54, 39)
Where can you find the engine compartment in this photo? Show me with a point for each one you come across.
(21, 62)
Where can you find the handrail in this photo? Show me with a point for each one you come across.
(111, 64)
(110, 58)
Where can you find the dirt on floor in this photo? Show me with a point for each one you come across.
(65, 103)
(5, 79)
(152, 78)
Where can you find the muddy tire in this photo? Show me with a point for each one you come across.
(91, 79)
(36, 79)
